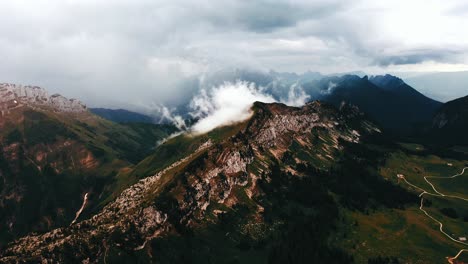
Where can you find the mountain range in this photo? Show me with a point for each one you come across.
(389, 101)
(386, 99)
(232, 176)
(337, 180)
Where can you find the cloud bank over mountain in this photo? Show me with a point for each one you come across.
(230, 103)
(226, 104)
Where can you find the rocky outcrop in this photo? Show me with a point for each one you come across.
(12, 96)
(130, 213)
(218, 175)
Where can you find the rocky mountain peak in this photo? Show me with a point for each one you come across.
(221, 173)
(386, 80)
(14, 96)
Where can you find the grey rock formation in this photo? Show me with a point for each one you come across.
(13, 96)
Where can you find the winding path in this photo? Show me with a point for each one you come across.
(439, 194)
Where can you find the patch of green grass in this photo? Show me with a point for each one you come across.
(454, 225)
(412, 147)
(41, 129)
(409, 234)
(452, 186)
(415, 167)
(406, 234)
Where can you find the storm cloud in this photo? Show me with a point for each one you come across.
(421, 56)
(141, 53)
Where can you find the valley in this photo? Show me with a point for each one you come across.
(426, 223)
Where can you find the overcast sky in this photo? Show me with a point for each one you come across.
(134, 51)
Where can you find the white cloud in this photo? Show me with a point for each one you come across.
(224, 105)
(230, 103)
(329, 90)
(296, 96)
(167, 114)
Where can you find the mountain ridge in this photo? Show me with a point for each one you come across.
(52, 153)
(213, 174)
(122, 115)
(13, 95)
(391, 103)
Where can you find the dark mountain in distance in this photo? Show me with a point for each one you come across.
(122, 115)
(450, 123)
(419, 107)
(389, 101)
(357, 73)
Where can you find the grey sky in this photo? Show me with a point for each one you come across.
(136, 51)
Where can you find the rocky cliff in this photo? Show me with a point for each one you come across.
(223, 173)
(53, 151)
(13, 96)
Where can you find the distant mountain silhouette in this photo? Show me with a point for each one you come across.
(388, 100)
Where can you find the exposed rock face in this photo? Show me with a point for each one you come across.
(12, 96)
(129, 214)
(50, 157)
(183, 194)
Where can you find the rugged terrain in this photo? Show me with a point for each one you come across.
(13, 96)
(316, 184)
(229, 174)
(53, 151)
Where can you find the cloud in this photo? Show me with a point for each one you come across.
(224, 105)
(231, 103)
(167, 115)
(329, 90)
(135, 53)
(418, 57)
(296, 96)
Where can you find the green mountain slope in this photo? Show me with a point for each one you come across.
(314, 184)
(50, 159)
(271, 189)
(122, 115)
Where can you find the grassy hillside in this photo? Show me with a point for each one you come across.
(409, 235)
(49, 160)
